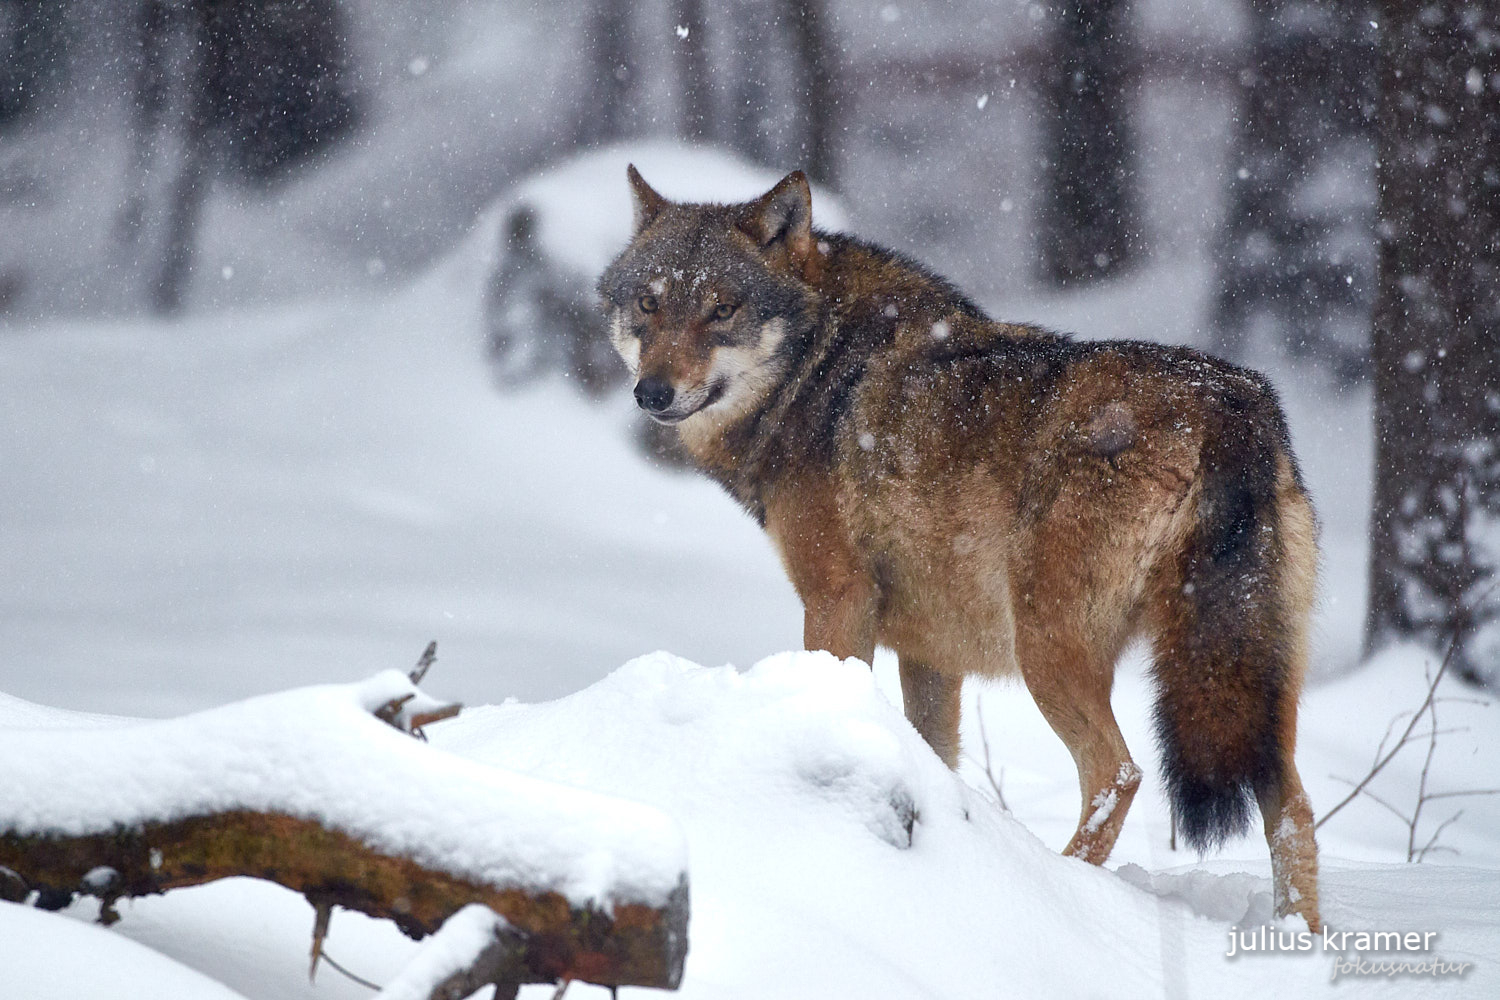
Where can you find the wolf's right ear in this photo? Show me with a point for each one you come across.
(648, 204)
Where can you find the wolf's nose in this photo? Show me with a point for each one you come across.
(653, 394)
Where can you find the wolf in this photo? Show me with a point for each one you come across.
(988, 498)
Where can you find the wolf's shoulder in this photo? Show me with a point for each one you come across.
(861, 274)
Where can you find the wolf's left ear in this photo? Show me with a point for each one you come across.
(784, 213)
(648, 204)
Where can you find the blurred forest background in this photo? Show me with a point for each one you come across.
(1295, 169)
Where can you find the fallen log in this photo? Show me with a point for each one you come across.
(634, 944)
(310, 790)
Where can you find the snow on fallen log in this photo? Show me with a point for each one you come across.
(314, 790)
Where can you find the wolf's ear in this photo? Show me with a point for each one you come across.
(783, 213)
(648, 204)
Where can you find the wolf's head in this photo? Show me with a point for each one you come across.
(707, 301)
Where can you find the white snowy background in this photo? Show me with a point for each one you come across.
(292, 489)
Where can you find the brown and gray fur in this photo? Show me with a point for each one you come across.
(986, 498)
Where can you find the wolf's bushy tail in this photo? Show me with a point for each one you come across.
(1223, 656)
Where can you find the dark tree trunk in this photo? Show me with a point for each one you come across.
(255, 88)
(31, 55)
(819, 96)
(1435, 522)
(279, 87)
(693, 74)
(1089, 215)
(169, 159)
(185, 199)
(608, 108)
(1297, 257)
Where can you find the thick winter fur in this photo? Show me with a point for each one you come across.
(987, 498)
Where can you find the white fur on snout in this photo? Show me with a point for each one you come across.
(746, 374)
(626, 346)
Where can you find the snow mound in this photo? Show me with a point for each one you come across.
(832, 854)
(64, 959)
(318, 753)
(807, 737)
(18, 713)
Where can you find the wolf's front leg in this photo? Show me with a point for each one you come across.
(933, 704)
(839, 598)
(842, 622)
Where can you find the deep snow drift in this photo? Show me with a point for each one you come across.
(833, 855)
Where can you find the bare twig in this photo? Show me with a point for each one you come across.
(1383, 757)
(1405, 736)
(390, 712)
(1451, 729)
(1431, 844)
(322, 916)
(984, 740)
(422, 719)
(424, 663)
(1390, 727)
(1456, 795)
(1379, 801)
(352, 977)
(1416, 814)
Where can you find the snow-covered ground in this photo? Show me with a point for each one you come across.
(238, 503)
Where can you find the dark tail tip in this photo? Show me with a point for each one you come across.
(1209, 810)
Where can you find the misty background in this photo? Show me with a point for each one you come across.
(343, 144)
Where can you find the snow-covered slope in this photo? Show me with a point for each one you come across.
(832, 854)
(795, 781)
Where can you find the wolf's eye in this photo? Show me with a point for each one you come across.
(724, 311)
(647, 303)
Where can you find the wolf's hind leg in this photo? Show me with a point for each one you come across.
(933, 703)
(1072, 692)
(1284, 807)
(1294, 851)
